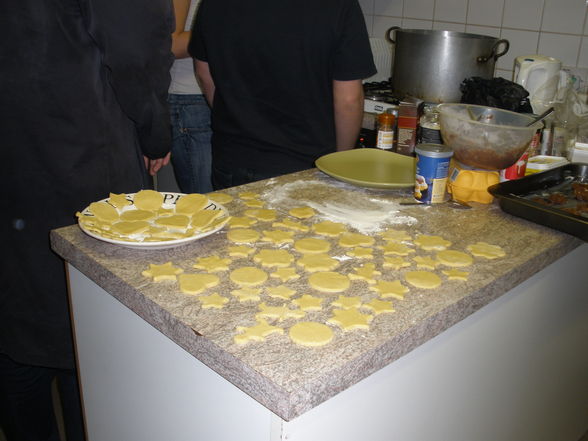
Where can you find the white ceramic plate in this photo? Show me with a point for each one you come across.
(169, 201)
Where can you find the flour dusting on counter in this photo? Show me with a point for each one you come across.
(367, 214)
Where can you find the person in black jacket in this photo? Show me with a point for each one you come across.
(83, 113)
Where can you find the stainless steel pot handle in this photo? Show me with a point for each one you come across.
(389, 31)
(494, 54)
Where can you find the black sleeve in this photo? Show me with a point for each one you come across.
(353, 58)
(134, 37)
(196, 47)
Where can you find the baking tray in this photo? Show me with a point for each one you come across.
(548, 198)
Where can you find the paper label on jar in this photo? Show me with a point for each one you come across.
(385, 140)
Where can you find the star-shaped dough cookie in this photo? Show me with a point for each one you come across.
(285, 274)
(278, 312)
(277, 258)
(388, 289)
(317, 262)
(453, 274)
(278, 237)
(397, 248)
(302, 212)
(350, 319)
(347, 302)
(197, 283)
(256, 332)
(425, 262)
(212, 263)
(308, 303)
(348, 240)
(291, 224)
(366, 272)
(484, 249)
(378, 306)
(165, 271)
(329, 228)
(280, 292)
(431, 242)
(213, 301)
(395, 262)
(247, 294)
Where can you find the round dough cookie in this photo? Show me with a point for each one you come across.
(329, 228)
(148, 200)
(191, 203)
(454, 258)
(423, 279)
(103, 211)
(248, 276)
(243, 235)
(262, 214)
(311, 245)
(277, 258)
(310, 334)
(329, 281)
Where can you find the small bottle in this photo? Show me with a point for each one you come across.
(429, 127)
(385, 139)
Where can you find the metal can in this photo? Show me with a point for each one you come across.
(432, 168)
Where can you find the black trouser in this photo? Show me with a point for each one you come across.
(26, 404)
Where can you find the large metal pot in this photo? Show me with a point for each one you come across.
(431, 65)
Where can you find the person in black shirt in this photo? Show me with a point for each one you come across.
(284, 80)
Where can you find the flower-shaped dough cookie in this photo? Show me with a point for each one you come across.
(197, 283)
(271, 257)
(431, 242)
(212, 263)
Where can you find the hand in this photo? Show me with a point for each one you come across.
(154, 165)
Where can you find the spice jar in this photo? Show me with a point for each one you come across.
(385, 139)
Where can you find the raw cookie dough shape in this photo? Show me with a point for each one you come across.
(396, 248)
(240, 250)
(212, 263)
(483, 249)
(277, 258)
(119, 200)
(453, 274)
(191, 204)
(278, 237)
(248, 276)
(221, 198)
(148, 200)
(454, 258)
(423, 279)
(213, 301)
(329, 228)
(317, 262)
(391, 235)
(292, 225)
(361, 253)
(311, 245)
(431, 242)
(254, 203)
(302, 212)
(349, 240)
(378, 306)
(248, 195)
(285, 274)
(395, 262)
(173, 222)
(138, 215)
(104, 212)
(243, 235)
(308, 303)
(278, 312)
(347, 302)
(197, 283)
(256, 332)
(165, 271)
(367, 272)
(426, 262)
(204, 218)
(350, 319)
(241, 222)
(128, 228)
(262, 214)
(388, 289)
(310, 334)
(280, 292)
(329, 281)
(247, 294)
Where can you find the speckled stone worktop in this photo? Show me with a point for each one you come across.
(289, 379)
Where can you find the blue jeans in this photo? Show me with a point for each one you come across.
(191, 156)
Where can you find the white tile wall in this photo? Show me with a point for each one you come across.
(558, 28)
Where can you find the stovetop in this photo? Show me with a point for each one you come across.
(381, 91)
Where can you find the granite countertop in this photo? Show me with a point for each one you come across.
(287, 378)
